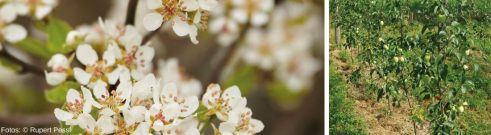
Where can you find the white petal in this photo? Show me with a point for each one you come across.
(131, 38)
(89, 100)
(266, 5)
(106, 125)
(112, 77)
(190, 5)
(42, 11)
(190, 105)
(240, 15)
(58, 61)
(181, 28)
(100, 91)
(81, 76)
(226, 128)
(257, 126)
(86, 55)
(259, 18)
(109, 57)
(193, 32)
(169, 89)
(190, 87)
(138, 113)
(7, 13)
(154, 4)
(87, 122)
(124, 90)
(14, 33)
(171, 111)
(55, 78)
(21, 8)
(232, 92)
(152, 21)
(217, 25)
(145, 55)
(73, 96)
(211, 96)
(107, 112)
(63, 115)
(158, 125)
(207, 4)
(142, 129)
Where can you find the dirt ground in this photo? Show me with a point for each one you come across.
(375, 114)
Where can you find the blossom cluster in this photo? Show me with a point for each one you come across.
(230, 14)
(119, 93)
(284, 47)
(11, 9)
(185, 16)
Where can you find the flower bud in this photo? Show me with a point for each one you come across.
(468, 52)
(381, 23)
(380, 39)
(402, 59)
(466, 67)
(465, 104)
(396, 59)
(386, 47)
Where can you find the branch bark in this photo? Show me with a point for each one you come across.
(217, 71)
(131, 12)
(25, 67)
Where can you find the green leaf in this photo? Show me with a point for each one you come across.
(244, 77)
(57, 31)
(58, 93)
(284, 96)
(35, 47)
(9, 64)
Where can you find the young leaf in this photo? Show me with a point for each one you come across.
(57, 31)
(35, 47)
(58, 93)
(244, 77)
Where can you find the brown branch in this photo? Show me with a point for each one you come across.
(28, 120)
(131, 12)
(217, 71)
(25, 67)
(149, 35)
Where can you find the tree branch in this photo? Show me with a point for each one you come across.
(131, 12)
(149, 35)
(26, 67)
(217, 71)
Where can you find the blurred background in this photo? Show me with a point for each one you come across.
(284, 111)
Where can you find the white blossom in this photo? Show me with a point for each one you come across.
(244, 125)
(223, 104)
(59, 65)
(170, 72)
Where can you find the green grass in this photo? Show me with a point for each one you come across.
(342, 119)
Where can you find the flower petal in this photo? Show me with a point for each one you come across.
(86, 55)
(190, 5)
(152, 21)
(257, 125)
(87, 122)
(42, 11)
(100, 91)
(73, 96)
(63, 115)
(109, 57)
(55, 78)
(14, 33)
(106, 125)
(259, 18)
(226, 128)
(58, 61)
(189, 106)
(181, 28)
(145, 55)
(7, 13)
(81, 76)
(240, 15)
(172, 111)
(207, 4)
(154, 4)
(211, 96)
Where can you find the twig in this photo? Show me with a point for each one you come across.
(217, 71)
(131, 11)
(149, 35)
(26, 68)
(28, 120)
